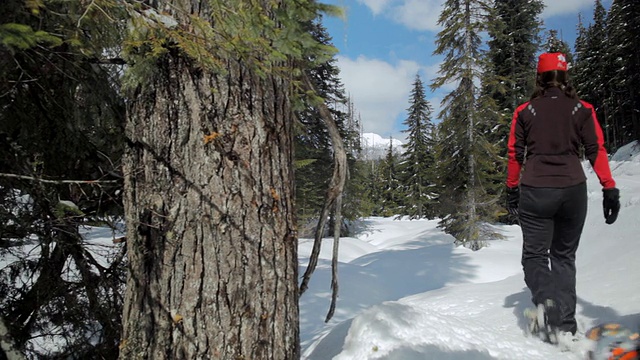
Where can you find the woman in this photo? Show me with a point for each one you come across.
(550, 196)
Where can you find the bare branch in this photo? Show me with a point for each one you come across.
(332, 199)
(334, 258)
(31, 178)
(85, 13)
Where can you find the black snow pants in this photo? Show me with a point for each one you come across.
(552, 220)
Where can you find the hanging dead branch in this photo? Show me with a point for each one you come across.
(334, 257)
(31, 178)
(333, 200)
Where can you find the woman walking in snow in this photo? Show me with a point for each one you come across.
(550, 196)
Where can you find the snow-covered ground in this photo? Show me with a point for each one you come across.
(406, 292)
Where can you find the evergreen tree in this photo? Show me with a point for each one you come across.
(418, 161)
(623, 72)
(513, 44)
(313, 152)
(313, 147)
(633, 70)
(61, 141)
(460, 151)
(507, 82)
(492, 163)
(589, 72)
(391, 192)
(556, 44)
(579, 74)
(356, 204)
(373, 187)
(361, 195)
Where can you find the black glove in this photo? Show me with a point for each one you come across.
(513, 200)
(610, 204)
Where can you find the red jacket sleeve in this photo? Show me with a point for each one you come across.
(593, 141)
(515, 149)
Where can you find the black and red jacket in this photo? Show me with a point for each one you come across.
(545, 138)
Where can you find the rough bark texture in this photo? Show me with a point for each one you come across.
(210, 231)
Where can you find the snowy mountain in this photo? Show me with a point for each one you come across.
(407, 293)
(375, 146)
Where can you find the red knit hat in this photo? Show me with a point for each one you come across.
(552, 61)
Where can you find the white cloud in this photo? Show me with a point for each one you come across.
(418, 14)
(376, 6)
(414, 14)
(563, 7)
(380, 90)
(423, 14)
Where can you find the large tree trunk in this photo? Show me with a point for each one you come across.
(210, 230)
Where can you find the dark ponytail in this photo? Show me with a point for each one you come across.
(553, 78)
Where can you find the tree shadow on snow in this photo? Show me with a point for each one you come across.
(360, 226)
(331, 345)
(432, 352)
(327, 349)
(422, 265)
(603, 314)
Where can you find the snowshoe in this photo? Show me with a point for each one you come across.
(540, 321)
(613, 342)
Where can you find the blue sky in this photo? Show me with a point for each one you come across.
(383, 44)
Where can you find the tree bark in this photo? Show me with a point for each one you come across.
(210, 221)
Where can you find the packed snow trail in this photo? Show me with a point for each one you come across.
(406, 292)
